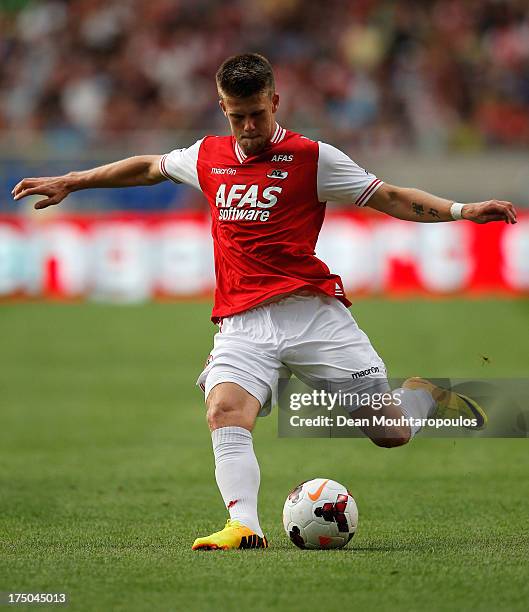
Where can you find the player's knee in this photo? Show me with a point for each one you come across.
(396, 436)
(219, 410)
(225, 412)
(229, 405)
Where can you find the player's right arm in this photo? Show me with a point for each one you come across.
(130, 172)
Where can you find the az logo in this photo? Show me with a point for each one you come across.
(277, 174)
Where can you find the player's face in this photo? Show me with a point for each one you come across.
(251, 119)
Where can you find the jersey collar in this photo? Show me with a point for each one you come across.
(277, 137)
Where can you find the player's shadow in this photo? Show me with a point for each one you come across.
(385, 548)
(388, 547)
(398, 547)
(351, 549)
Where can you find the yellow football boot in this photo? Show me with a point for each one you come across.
(449, 404)
(234, 535)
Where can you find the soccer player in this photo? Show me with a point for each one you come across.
(278, 307)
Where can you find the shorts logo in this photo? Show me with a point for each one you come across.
(363, 373)
(277, 174)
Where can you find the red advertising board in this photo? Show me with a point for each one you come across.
(135, 257)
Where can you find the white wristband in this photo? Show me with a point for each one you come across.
(455, 211)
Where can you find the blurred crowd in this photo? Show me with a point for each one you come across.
(437, 75)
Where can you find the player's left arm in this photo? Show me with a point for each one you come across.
(416, 205)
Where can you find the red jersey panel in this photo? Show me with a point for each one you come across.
(266, 215)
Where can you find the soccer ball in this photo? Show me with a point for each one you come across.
(320, 513)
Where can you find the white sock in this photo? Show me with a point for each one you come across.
(416, 404)
(237, 474)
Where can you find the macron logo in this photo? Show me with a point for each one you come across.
(230, 171)
(363, 373)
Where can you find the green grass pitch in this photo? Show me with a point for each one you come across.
(106, 472)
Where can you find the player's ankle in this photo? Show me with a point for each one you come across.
(248, 522)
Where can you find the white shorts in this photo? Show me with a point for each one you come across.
(311, 336)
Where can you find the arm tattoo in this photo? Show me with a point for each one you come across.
(418, 209)
(434, 213)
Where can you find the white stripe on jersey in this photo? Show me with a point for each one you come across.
(371, 188)
(162, 166)
(180, 165)
(163, 169)
(340, 179)
(279, 134)
(239, 153)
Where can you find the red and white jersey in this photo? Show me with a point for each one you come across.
(267, 211)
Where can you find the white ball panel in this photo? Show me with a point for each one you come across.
(299, 511)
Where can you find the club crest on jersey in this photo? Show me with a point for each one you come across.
(283, 158)
(277, 174)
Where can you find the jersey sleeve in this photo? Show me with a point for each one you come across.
(340, 179)
(180, 165)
